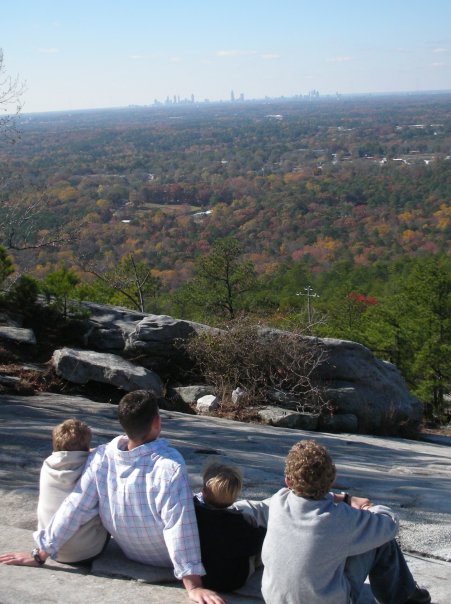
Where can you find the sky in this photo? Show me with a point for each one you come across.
(80, 54)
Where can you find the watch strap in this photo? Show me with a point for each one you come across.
(37, 557)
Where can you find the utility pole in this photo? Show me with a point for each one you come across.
(310, 294)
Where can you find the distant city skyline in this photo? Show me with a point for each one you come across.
(88, 55)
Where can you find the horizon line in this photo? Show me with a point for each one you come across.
(185, 102)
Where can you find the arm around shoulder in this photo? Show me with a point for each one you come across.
(77, 509)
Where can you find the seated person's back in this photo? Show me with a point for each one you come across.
(320, 546)
(228, 542)
(60, 473)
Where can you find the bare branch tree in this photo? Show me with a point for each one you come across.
(11, 91)
(133, 280)
(19, 216)
(18, 226)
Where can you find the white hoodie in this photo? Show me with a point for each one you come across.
(59, 474)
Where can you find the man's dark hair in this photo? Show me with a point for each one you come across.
(136, 411)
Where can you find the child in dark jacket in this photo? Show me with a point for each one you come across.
(229, 544)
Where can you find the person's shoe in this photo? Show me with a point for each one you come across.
(419, 596)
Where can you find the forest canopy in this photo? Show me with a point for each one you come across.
(347, 196)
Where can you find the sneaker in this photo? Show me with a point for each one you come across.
(419, 596)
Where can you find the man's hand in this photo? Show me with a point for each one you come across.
(197, 593)
(360, 503)
(204, 596)
(18, 559)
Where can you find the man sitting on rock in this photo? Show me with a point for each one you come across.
(319, 550)
(139, 486)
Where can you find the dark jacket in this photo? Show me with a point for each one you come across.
(227, 541)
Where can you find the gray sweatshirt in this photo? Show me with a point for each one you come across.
(60, 473)
(308, 542)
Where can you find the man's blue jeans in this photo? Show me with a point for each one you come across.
(390, 578)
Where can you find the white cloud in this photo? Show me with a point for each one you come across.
(136, 57)
(270, 56)
(438, 64)
(176, 59)
(49, 51)
(339, 59)
(440, 50)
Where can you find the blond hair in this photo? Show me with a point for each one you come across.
(71, 435)
(309, 470)
(222, 484)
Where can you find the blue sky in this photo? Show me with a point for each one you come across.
(78, 54)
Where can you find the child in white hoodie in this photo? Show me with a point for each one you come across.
(60, 473)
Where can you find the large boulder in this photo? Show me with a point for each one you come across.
(155, 334)
(108, 327)
(285, 418)
(18, 335)
(156, 341)
(151, 340)
(355, 382)
(83, 366)
(190, 394)
(374, 391)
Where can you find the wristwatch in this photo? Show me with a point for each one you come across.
(37, 557)
(346, 498)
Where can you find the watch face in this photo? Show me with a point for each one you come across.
(37, 557)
